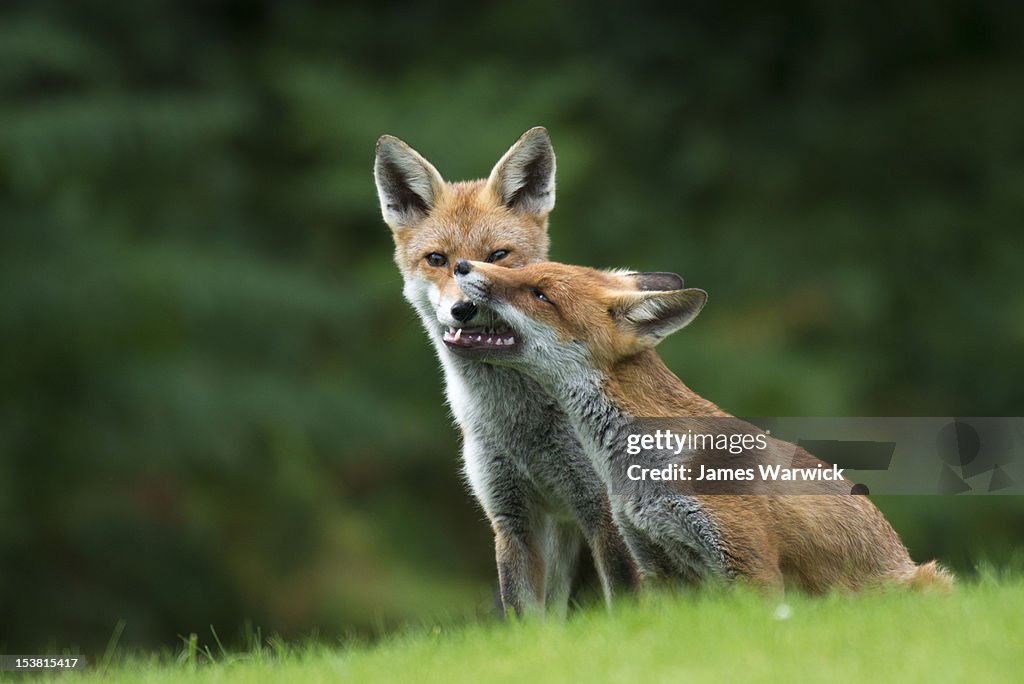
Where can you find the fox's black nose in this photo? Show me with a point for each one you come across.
(462, 267)
(463, 310)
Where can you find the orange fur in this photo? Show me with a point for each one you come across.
(818, 542)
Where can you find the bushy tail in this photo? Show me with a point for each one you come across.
(929, 576)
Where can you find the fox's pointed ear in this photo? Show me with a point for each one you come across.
(524, 179)
(654, 315)
(407, 184)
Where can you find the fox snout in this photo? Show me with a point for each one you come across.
(472, 282)
(464, 309)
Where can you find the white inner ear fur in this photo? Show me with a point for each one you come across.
(524, 178)
(656, 315)
(400, 174)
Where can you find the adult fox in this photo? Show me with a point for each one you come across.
(588, 338)
(520, 455)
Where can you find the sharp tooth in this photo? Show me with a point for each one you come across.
(490, 339)
(458, 335)
(477, 338)
(508, 340)
(499, 342)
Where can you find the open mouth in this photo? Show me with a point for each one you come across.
(481, 338)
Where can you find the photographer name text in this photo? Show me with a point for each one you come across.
(767, 473)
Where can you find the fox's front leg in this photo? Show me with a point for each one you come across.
(520, 565)
(616, 566)
(654, 566)
(509, 502)
(590, 506)
(562, 542)
(619, 569)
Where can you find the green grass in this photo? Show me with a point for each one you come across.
(977, 634)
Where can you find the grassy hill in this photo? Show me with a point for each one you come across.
(977, 634)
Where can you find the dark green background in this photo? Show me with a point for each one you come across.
(216, 406)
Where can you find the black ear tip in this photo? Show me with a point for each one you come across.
(658, 281)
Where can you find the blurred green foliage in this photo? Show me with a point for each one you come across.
(216, 406)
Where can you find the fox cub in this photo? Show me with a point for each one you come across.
(520, 455)
(588, 337)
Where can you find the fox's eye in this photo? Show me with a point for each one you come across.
(436, 259)
(497, 255)
(539, 295)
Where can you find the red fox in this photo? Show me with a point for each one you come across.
(520, 455)
(588, 338)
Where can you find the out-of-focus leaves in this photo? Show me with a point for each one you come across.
(215, 405)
